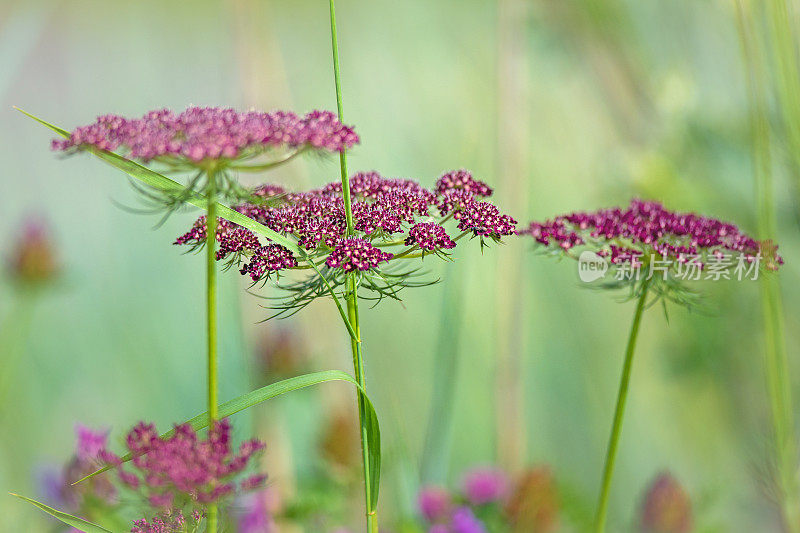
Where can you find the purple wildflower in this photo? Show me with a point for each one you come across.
(90, 442)
(88, 452)
(267, 259)
(356, 254)
(183, 465)
(434, 503)
(462, 180)
(465, 521)
(429, 236)
(484, 219)
(167, 523)
(648, 228)
(485, 485)
(200, 133)
(256, 512)
(382, 207)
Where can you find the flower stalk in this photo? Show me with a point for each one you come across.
(619, 413)
(351, 290)
(211, 305)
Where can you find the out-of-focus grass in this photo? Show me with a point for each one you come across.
(419, 83)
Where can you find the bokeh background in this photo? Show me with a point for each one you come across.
(559, 104)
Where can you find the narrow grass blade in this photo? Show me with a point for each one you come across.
(74, 521)
(279, 388)
(164, 184)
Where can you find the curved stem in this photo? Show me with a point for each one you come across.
(352, 299)
(211, 324)
(619, 412)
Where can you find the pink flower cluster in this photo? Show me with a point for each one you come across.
(447, 513)
(382, 207)
(200, 133)
(429, 236)
(184, 468)
(167, 523)
(641, 228)
(356, 254)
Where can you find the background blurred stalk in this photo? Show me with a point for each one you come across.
(783, 39)
(13, 336)
(512, 173)
(776, 362)
(352, 296)
(438, 438)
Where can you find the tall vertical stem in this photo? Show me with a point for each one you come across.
(775, 358)
(211, 305)
(513, 142)
(619, 413)
(352, 297)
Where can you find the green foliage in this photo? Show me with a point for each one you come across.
(74, 521)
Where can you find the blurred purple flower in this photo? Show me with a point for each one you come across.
(90, 442)
(465, 521)
(666, 507)
(33, 259)
(256, 513)
(434, 503)
(183, 465)
(485, 485)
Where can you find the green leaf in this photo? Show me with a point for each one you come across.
(74, 521)
(164, 184)
(282, 387)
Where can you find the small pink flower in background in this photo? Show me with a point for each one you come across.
(90, 442)
(485, 485)
(257, 512)
(434, 503)
(666, 507)
(33, 259)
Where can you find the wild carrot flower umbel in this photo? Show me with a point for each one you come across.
(384, 209)
(210, 133)
(683, 246)
(184, 472)
(652, 250)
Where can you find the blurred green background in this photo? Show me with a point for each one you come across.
(559, 104)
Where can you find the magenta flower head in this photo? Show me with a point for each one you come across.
(90, 442)
(201, 134)
(485, 485)
(646, 241)
(394, 220)
(356, 254)
(169, 522)
(211, 145)
(435, 504)
(184, 471)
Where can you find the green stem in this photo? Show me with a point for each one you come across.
(352, 297)
(616, 429)
(775, 358)
(211, 304)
